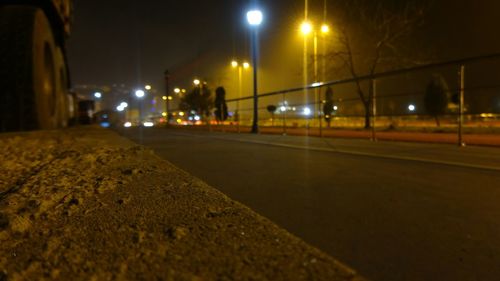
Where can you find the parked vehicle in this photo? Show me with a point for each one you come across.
(34, 78)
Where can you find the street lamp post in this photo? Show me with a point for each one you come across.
(240, 67)
(198, 83)
(325, 29)
(316, 90)
(306, 29)
(254, 18)
(140, 95)
(167, 93)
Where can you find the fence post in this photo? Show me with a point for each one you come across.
(238, 115)
(461, 106)
(374, 107)
(284, 114)
(319, 103)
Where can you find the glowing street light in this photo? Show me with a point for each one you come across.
(123, 105)
(255, 18)
(177, 90)
(196, 82)
(246, 65)
(234, 64)
(306, 28)
(306, 111)
(325, 28)
(148, 87)
(411, 107)
(139, 93)
(98, 95)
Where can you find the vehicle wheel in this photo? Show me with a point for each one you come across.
(72, 109)
(28, 77)
(63, 96)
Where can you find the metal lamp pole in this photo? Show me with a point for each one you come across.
(240, 89)
(167, 91)
(140, 96)
(255, 125)
(254, 18)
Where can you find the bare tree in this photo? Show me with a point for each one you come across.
(436, 97)
(373, 36)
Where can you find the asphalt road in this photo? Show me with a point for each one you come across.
(388, 218)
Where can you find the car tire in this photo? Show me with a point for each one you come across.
(63, 96)
(31, 93)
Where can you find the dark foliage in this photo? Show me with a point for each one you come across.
(198, 100)
(328, 106)
(272, 109)
(221, 113)
(436, 97)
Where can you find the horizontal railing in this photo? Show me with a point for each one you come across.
(398, 101)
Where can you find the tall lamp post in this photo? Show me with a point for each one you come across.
(306, 29)
(197, 84)
(167, 91)
(254, 18)
(240, 68)
(140, 95)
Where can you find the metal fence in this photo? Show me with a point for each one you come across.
(397, 101)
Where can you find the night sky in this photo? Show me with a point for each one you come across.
(133, 42)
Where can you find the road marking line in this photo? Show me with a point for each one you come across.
(375, 155)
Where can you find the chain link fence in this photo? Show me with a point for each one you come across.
(396, 100)
(461, 96)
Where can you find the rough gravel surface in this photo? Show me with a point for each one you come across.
(85, 204)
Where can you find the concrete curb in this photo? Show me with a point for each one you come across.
(103, 208)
